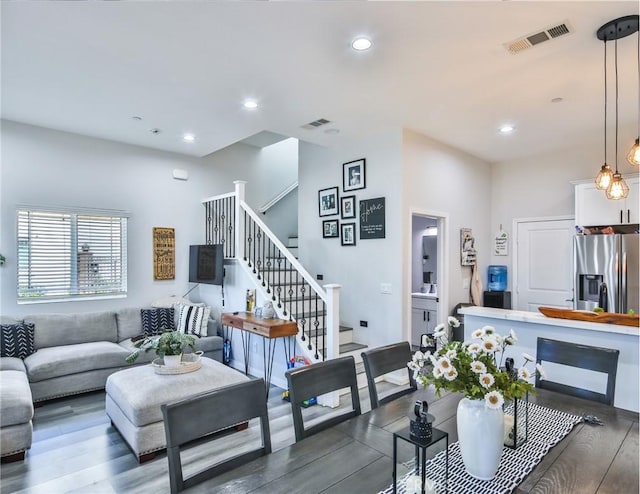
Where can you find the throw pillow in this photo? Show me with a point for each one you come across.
(205, 317)
(155, 320)
(192, 318)
(16, 340)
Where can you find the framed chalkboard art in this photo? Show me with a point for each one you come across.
(372, 218)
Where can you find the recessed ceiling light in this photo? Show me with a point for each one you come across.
(251, 104)
(155, 131)
(361, 43)
(136, 117)
(189, 137)
(507, 129)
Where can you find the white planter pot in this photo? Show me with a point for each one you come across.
(172, 360)
(481, 434)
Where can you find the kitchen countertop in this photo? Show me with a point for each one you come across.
(433, 296)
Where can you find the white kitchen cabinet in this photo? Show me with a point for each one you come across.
(594, 209)
(424, 317)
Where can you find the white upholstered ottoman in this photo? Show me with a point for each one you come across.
(134, 397)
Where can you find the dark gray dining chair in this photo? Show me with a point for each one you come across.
(206, 413)
(383, 360)
(318, 379)
(577, 355)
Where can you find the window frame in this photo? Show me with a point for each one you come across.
(104, 275)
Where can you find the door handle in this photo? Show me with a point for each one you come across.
(424, 315)
(628, 216)
(428, 316)
(621, 216)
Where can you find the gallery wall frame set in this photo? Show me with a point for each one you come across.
(348, 234)
(330, 229)
(354, 175)
(347, 207)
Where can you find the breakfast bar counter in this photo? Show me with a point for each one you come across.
(531, 325)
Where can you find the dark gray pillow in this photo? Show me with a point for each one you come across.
(154, 321)
(16, 340)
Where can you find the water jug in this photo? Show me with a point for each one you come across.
(497, 276)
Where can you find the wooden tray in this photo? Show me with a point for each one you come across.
(190, 362)
(587, 315)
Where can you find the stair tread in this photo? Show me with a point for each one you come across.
(345, 328)
(351, 347)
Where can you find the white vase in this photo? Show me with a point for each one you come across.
(481, 434)
(172, 360)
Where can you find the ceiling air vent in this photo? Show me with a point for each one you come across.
(316, 123)
(533, 39)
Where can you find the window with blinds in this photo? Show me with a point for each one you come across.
(71, 254)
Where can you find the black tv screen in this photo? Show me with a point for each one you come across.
(206, 264)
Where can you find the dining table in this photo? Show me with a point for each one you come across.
(356, 456)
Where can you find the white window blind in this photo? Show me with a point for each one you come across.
(63, 255)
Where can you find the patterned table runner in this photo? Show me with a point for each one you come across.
(547, 428)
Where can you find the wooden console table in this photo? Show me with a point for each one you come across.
(268, 329)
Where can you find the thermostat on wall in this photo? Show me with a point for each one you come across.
(179, 174)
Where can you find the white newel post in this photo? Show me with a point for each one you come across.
(239, 226)
(333, 336)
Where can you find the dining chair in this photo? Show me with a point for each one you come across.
(598, 359)
(383, 360)
(202, 415)
(318, 379)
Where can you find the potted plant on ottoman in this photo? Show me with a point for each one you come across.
(168, 346)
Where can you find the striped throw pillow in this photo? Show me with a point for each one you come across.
(192, 318)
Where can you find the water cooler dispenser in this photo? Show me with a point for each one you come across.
(496, 295)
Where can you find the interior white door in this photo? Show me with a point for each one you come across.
(544, 264)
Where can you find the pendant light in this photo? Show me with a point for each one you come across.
(618, 188)
(634, 154)
(605, 175)
(615, 30)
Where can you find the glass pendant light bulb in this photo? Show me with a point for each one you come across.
(634, 155)
(605, 175)
(618, 188)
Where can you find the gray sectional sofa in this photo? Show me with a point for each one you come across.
(75, 353)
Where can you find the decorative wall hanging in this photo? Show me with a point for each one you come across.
(348, 207)
(164, 254)
(467, 247)
(328, 201)
(372, 218)
(348, 236)
(330, 229)
(501, 243)
(353, 175)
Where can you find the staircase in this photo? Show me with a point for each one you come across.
(279, 276)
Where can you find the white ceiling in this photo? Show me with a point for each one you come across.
(438, 68)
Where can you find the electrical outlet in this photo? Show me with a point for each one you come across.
(320, 277)
(385, 288)
(364, 324)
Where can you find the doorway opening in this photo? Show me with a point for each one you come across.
(428, 276)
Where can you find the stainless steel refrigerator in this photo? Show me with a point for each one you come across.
(607, 269)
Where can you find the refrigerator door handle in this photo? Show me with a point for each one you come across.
(623, 284)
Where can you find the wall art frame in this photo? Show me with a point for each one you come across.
(347, 207)
(328, 201)
(330, 229)
(348, 234)
(354, 175)
(164, 253)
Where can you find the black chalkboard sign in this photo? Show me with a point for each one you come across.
(372, 224)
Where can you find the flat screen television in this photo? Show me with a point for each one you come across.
(206, 264)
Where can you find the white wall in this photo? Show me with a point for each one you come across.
(540, 186)
(51, 168)
(438, 178)
(361, 268)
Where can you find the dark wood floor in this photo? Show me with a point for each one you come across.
(76, 450)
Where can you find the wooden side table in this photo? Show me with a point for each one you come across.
(269, 330)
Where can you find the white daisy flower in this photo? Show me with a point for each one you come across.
(543, 374)
(523, 373)
(437, 372)
(444, 363)
(489, 345)
(488, 330)
(451, 374)
(478, 333)
(493, 399)
(453, 322)
(478, 367)
(528, 357)
(512, 334)
(474, 348)
(418, 356)
(486, 380)
(451, 354)
(498, 339)
(433, 360)
(438, 328)
(413, 366)
(439, 334)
